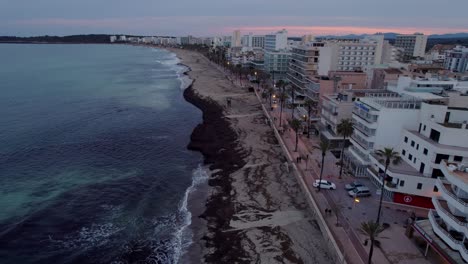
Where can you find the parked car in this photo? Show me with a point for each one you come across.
(324, 185)
(353, 185)
(359, 192)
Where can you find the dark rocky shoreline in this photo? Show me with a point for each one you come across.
(217, 141)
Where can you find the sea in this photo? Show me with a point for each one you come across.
(93, 160)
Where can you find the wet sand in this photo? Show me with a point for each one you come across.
(255, 211)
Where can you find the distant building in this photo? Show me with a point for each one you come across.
(304, 64)
(113, 39)
(456, 59)
(414, 45)
(276, 62)
(276, 41)
(236, 39)
(258, 41)
(122, 38)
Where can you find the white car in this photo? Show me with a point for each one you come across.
(324, 184)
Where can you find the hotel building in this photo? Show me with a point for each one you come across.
(413, 45)
(446, 230)
(425, 121)
(456, 59)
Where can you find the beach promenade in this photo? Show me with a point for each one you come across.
(341, 227)
(256, 211)
(347, 215)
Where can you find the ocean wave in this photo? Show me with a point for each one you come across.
(183, 236)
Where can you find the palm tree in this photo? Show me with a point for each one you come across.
(323, 147)
(293, 106)
(270, 92)
(344, 128)
(239, 70)
(386, 156)
(310, 104)
(295, 125)
(282, 98)
(372, 230)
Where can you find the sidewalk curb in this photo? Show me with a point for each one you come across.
(339, 258)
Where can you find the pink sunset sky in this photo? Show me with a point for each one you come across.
(214, 17)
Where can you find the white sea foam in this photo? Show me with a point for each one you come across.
(183, 237)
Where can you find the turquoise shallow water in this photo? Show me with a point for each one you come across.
(93, 159)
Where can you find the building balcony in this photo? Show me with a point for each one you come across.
(445, 189)
(361, 142)
(303, 65)
(356, 156)
(366, 117)
(456, 222)
(454, 125)
(369, 135)
(440, 230)
(456, 173)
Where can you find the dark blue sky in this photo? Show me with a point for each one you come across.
(214, 17)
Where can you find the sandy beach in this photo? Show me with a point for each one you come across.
(255, 211)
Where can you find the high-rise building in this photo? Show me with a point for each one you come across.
(276, 62)
(276, 41)
(352, 55)
(456, 59)
(414, 45)
(304, 64)
(236, 39)
(258, 41)
(423, 120)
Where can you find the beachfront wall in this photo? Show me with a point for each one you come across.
(332, 245)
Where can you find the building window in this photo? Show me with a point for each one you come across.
(410, 157)
(417, 146)
(441, 157)
(402, 183)
(458, 158)
(425, 151)
(414, 161)
(406, 139)
(424, 128)
(412, 143)
(435, 189)
(436, 173)
(435, 135)
(419, 187)
(403, 152)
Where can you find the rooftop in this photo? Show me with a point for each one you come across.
(430, 141)
(403, 167)
(424, 227)
(460, 170)
(393, 71)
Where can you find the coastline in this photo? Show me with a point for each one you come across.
(254, 211)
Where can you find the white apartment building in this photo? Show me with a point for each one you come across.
(446, 231)
(421, 119)
(113, 39)
(351, 54)
(391, 54)
(236, 39)
(414, 45)
(276, 41)
(335, 108)
(258, 41)
(304, 64)
(253, 41)
(276, 62)
(456, 59)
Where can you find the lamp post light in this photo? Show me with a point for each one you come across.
(356, 200)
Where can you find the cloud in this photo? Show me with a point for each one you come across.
(217, 25)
